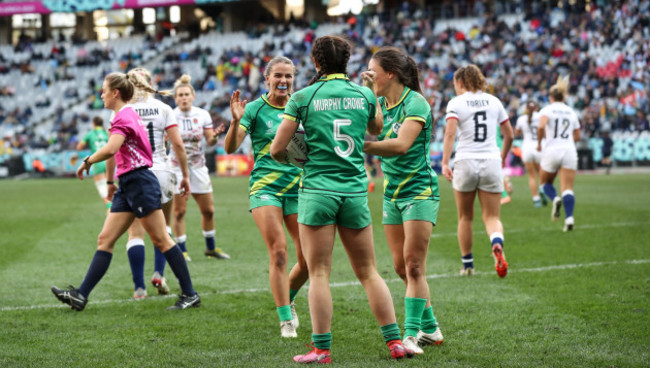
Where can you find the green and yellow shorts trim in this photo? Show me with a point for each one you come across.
(289, 205)
(323, 209)
(98, 168)
(396, 212)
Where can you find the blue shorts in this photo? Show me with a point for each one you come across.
(139, 192)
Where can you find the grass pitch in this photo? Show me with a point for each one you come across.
(570, 299)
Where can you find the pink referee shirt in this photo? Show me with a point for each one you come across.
(135, 152)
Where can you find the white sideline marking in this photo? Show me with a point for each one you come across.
(548, 228)
(344, 284)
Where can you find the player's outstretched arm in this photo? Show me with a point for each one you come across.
(282, 137)
(396, 146)
(107, 151)
(235, 135)
(448, 147)
(176, 140)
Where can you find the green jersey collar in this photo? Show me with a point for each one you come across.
(334, 76)
(404, 94)
(266, 99)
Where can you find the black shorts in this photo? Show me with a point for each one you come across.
(139, 192)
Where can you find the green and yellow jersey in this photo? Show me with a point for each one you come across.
(96, 139)
(334, 113)
(261, 120)
(409, 176)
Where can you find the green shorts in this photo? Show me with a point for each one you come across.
(395, 213)
(321, 209)
(289, 205)
(98, 168)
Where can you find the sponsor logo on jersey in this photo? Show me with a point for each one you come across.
(269, 126)
(396, 127)
(265, 197)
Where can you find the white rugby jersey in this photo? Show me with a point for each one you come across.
(157, 117)
(529, 130)
(562, 121)
(192, 124)
(478, 115)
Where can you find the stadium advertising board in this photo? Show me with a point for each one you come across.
(626, 151)
(68, 6)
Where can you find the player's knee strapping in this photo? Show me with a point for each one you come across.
(102, 188)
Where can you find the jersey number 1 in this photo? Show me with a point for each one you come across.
(151, 140)
(480, 129)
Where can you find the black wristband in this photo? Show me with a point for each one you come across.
(110, 182)
(86, 161)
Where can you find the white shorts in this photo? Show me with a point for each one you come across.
(199, 180)
(167, 181)
(554, 158)
(531, 154)
(473, 174)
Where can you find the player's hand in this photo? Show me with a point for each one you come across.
(237, 106)
(368, 78)
(112, 188)
(185, 188)
(539, 147)
(447, 172)
(80, 170)
(220, 129)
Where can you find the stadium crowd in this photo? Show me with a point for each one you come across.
(605, 49)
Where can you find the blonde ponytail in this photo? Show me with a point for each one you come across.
(184, 81)
(560, 89)
(141, 80)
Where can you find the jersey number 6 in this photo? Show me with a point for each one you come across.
(480, 129)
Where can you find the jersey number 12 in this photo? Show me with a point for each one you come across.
(565, 124)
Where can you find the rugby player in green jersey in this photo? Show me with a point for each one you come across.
(335, 114)
(273, 187)
(96, 139)
(411, 196)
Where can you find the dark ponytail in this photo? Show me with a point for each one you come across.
(332, 54)
(396, 61)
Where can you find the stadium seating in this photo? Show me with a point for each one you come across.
(520, 54)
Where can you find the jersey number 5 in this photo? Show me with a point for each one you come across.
(338, 136)
(480, 129)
